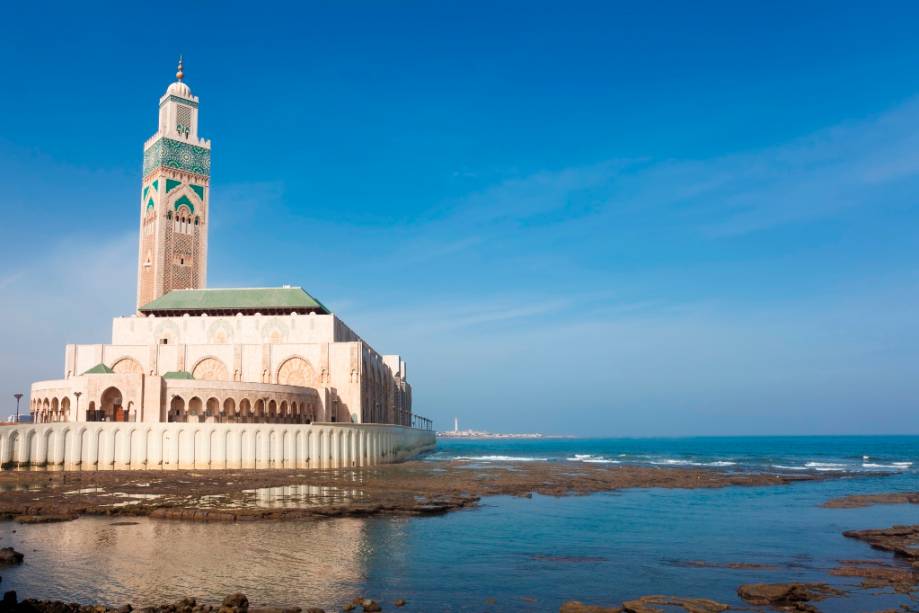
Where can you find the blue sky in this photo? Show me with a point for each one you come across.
(588, 218)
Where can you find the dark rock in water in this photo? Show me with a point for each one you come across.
(9, 599)
(866, 500)
(876, 574)
(125, 609)
(728, 565)
(792, 596)
(236, 601)
(45, 519)
(371, 606)
(654, 603)
(315, 610)
(274, 610)
(900, 540)
(575, 606)
(9, 556)
(692, 605)
(400, 602)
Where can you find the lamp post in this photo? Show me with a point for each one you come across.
(77, 413)
(17, 397)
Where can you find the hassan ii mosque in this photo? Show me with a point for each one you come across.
(214, 378)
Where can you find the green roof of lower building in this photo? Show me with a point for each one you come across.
(245, 299)
(178, 374)
(99, 369)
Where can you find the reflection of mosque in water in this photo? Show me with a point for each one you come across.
(302, 563)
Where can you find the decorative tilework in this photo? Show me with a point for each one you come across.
(150, 204)
(172, 183)
(198, 189)
(184, 200)
(156, 185)
(146, 189)
(180, 101)
(174, 154)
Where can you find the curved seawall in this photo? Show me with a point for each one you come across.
(142, 446)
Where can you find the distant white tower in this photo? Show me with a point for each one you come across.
(456, 424)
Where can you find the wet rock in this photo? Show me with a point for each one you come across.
(876, 574)
(866, 500)
(371, 606)
(315, 610)
(400, 602)
(9, 599)
(654, 604)
(9, 556)
(729, 565)
(899, 540)
(408, 489)
(45, 519)
(236, 601)
(786, 596)
(575, 606)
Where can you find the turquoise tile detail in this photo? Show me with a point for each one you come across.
(198, 189)
(171, 184)
(168, 153)
(184, 200)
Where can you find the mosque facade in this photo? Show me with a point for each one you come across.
(235, 360)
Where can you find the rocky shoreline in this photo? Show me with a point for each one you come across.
(234, 603)
(867, 500)
(412, 488)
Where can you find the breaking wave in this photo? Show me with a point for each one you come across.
(498, 458)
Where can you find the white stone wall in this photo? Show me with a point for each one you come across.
(140, 446)
(241, 329)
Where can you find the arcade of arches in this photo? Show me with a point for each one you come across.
(187, 404)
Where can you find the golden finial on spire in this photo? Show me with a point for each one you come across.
(180, 74)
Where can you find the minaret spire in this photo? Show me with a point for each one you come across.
(180, 74)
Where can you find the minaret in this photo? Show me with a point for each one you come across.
(174, 199)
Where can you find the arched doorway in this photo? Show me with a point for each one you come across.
(195, 410)
(212, 410)
(112, 405)
(245, 411)
(177, 409)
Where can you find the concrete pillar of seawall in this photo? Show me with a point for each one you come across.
(39, 451)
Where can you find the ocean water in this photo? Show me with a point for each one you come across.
(511, 554)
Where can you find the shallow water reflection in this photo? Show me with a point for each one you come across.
(152, 562)
(300, 496)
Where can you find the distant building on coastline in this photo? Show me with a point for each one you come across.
(192, 355)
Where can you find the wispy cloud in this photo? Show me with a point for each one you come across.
(806, 179)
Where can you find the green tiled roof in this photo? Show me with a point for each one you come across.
(99, 369)
(178, 374)
(245, 299)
